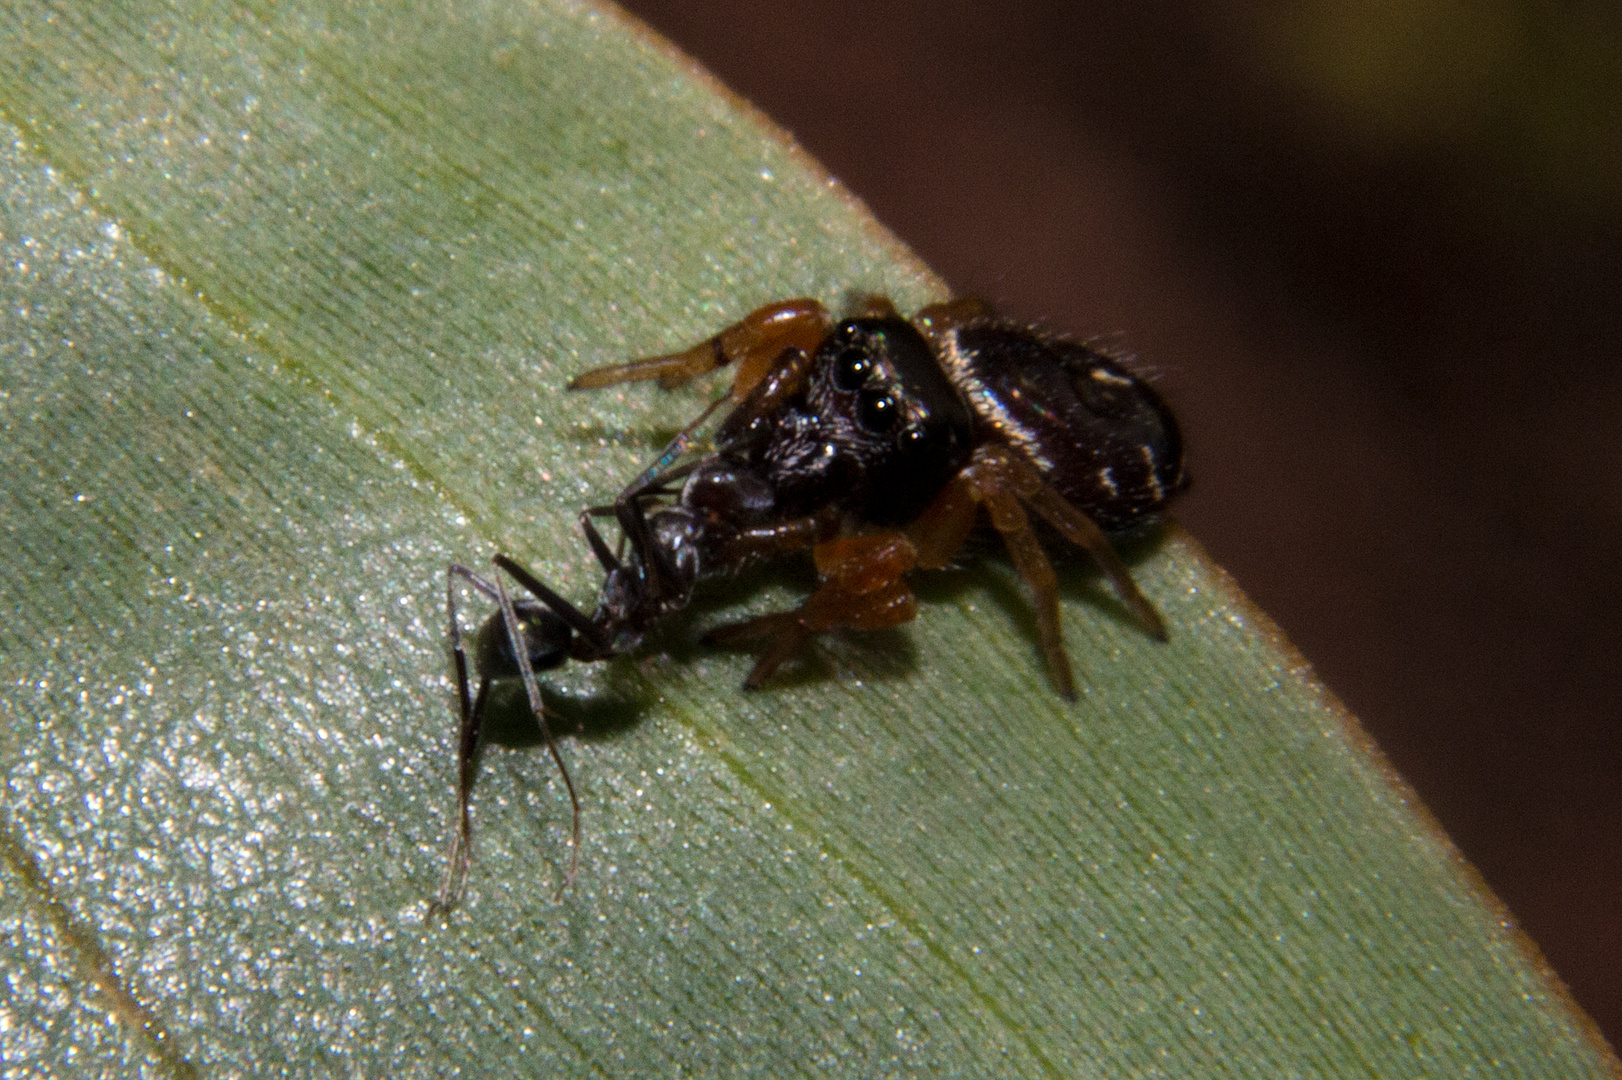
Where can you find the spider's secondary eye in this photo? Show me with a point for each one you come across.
(924, 438)
(879, 411)
(851, 369)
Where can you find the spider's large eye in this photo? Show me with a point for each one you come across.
(879, 411)
(851, 369)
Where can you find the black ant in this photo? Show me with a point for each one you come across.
(873, 442)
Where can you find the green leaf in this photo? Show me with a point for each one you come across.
(290, 295)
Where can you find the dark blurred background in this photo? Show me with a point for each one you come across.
(1373, 251)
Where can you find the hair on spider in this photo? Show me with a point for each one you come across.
(872, 442)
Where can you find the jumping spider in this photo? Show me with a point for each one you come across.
(873, 442)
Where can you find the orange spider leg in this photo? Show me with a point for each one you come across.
(942, 528)
(756, 344)
(936, 319)
(1084, 532)
(1006, 483)
(874, 306)
(862, 589)
(1009, 519)
(1025, 482)
(945, 524)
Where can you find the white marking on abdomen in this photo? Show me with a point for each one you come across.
(985, 403)
(1154, 478)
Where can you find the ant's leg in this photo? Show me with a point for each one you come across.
(755, 344)
(780, 539)
(628, 511)
(566, 621)
(661, 471)
(633, 522)
(578, 620)
(606, 558)
(532, 690)
(470, 713)
(862, 589)
(460, 855)
(457, 570)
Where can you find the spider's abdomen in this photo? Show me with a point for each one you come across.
(1101, 436)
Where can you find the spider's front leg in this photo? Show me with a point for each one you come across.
(757, 344)
(863, 588)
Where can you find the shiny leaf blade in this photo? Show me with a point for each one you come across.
(291, 293)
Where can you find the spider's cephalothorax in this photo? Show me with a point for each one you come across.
(872, 443)
(876, 430)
